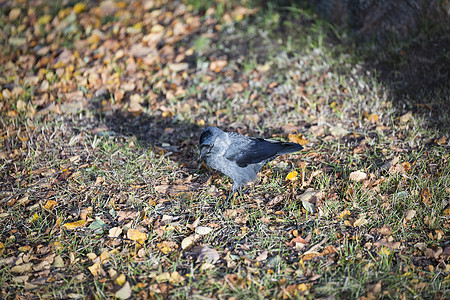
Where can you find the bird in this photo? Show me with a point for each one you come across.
(240, 157)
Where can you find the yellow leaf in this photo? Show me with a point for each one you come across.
(303, 287)
(120, 280)
(104, 257)
(292, 176)
(94, 269)
(175, 277)
(136, 235)
(384, 251)
(50, 204)
(79, 7)
(406, 117)
(25, 248)
(165, 249)
(74, 225)
(59, 64)
(298, 138)
(373, 118)
(344, 214)
(22, 138)
(45, 19)
(35, 217)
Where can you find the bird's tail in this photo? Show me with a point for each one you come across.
(290, 148)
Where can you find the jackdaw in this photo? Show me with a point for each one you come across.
(239, 157)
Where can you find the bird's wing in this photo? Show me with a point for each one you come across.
(245, 151)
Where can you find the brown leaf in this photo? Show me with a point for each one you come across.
(262, 256)
(441, 141)
(425, 195)
(406, 117)
(204, 253)
(409, 215)
(217, 65)
(22, 268)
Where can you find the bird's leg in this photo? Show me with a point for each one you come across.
(232, 195)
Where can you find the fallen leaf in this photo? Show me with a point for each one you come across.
(187, 241)
(406, 117)
(50, 204)
(105, 257)
(163, 277)
(338, 131)
(98, 226)
(204, 253)
(442, 140)
(58, 262)
(79, 7)
(410, 214)
(292, 176)
(20, 279)
(14, 14)
(74, 225)
(115, 232)
(308, 206)
(373, 118)
(94, 269)
(358, 176)
(298, 138)
(136, 235)
(361, 221)
(262, 256)
(22, 268)
(177, 67)
(217, 65)
(202, 230)
(45, 19)
(124, 292)
(425, 195)
(120, 280)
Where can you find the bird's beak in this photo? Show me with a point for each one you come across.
(203, 151)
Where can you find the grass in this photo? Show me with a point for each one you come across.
(116, 170)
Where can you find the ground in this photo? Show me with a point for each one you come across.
(102, 193)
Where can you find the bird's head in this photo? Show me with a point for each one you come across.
(207, 140)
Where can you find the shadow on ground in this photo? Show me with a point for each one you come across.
(413, 63)
(179, 138)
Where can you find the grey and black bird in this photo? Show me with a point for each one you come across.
(240, 157)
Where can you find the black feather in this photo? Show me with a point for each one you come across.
(261, 150)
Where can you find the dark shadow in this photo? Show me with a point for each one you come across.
(405, 43)
(177, 139)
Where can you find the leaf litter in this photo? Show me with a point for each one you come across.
(101, 107)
